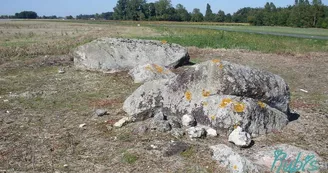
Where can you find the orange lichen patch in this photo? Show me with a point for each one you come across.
(204, 103)
(206, 93)
(188, 95)
(235, 167)
(239, 107)
(221, 66)
(158, 68)
(225, 102)
(164, 41)
(261, 104)
(215, 61)
(236, 125)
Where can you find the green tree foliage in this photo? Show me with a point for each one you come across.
(120, 11)
(197, 16)
(182, 13)
(209, 16)
(220, 17)
(26, 15)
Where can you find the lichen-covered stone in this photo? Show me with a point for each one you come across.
(150, 72)
(221, 95)
(118, 54)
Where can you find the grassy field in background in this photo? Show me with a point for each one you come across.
(204, 38)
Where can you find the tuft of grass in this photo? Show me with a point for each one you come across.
(129, 158)
(188, 153)
(207, 38)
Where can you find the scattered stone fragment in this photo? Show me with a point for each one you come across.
(196, 132)
(211, 132)
(153, 146)
(82, 125)
(188, 120)
(175, 148)
(5, 101)
(160, 125)
(142, 129)
(231, 160)
(101, 112)
(177, 133)
(61, 71)
(123, 122)
(240, 138)
(109, 127)
(174, 121)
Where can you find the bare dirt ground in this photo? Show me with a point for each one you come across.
(41, 110)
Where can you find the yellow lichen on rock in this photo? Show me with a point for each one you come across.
(221, 66)
(188, 95)
(261, 104)
(235, 167)
(148, 67)
(204, 103)
(206, 93)
(239, 107)
(225, 102)
(212, 117)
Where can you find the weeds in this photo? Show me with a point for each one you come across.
(129, 158)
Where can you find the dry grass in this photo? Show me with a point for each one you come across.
(41, 110)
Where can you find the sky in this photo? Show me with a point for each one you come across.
(76, 7)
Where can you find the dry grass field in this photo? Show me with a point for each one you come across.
(41, 110)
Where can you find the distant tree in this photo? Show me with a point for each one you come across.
(209, 16)
(182, 13)
(26, 15)
(107, 16)
(69, 17)
(120, 10)
(197, 16)
(134, 10)
(220, 17)
(228, 18)
(161, 7)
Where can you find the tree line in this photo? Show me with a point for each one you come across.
(301, 14)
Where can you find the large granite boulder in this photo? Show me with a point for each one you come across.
(117, 54)
(218, 94)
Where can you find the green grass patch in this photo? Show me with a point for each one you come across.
(129, 158)
(206, 38)
(188, 153)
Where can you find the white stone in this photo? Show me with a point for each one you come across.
(123, 122)
(188, 120)
(82, 125)
(240, 138)
(196, 132)
(211, 132)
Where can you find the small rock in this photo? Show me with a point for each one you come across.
(101, 112)
(109, 127)
(7, 112)
(123, 122)
(159, 116)
(161, 125)
(61, 71)
(176, 148)
(196, 132)
(305, 91)
(66, 165)
(82, 125)
(188, 120)
(240, 138)
(211, 132)
(177, 133)
(174, 122)
(140, 130)
(153, 146)
(5, 101)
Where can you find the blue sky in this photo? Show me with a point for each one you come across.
(75, 7)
